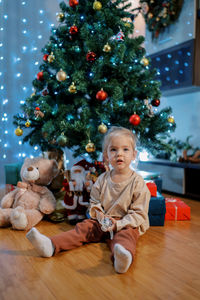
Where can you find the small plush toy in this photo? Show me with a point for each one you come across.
(25, 206)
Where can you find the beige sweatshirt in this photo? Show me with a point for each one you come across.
(128, 200)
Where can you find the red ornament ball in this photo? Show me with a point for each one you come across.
(40, 76)
(37, 108)
(73, 30)
(91, 56)
(134, 120)
(101, 95)
(45, 57)
(155, 102)
(73, 3)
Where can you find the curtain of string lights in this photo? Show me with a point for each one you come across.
(25, 27)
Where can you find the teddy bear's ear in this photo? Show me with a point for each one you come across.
(55, 169)
(27, 159)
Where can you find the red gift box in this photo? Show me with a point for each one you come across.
(176, 210)
(152, 188)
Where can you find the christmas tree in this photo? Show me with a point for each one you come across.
(94, 76)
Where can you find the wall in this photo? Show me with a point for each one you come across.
(186, 111)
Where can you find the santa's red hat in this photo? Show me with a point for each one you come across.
(82, 165)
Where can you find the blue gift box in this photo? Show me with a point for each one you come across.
(157, 210)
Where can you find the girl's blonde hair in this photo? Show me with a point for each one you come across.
(117, 131)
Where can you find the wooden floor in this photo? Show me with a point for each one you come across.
(167, 266)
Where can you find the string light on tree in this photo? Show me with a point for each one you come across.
(77, 49)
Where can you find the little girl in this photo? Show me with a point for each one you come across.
(119, 196)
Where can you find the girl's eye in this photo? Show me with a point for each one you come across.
(126, 149)
(112, 149)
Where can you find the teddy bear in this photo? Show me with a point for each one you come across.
(31, 200)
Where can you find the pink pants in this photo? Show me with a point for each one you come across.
(90, 231)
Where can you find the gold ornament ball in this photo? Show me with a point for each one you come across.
(60, 17)
(62, 140)
(102, 128)
(145, 61)
(171, 120)
(61, 75)
(97, 5)
(28, 123)
(90, 147)
(72, 88)
(51, 58)
(107, 48)
(18, 131)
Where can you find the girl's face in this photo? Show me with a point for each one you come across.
(120, 153)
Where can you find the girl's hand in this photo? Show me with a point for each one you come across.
(114, 226)
(99, 215)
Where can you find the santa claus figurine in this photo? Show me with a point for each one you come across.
(77, 189)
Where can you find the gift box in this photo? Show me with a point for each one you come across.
(155, 176)
(12, 173)
(177, 210)
(157, 210)
(152, 188)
